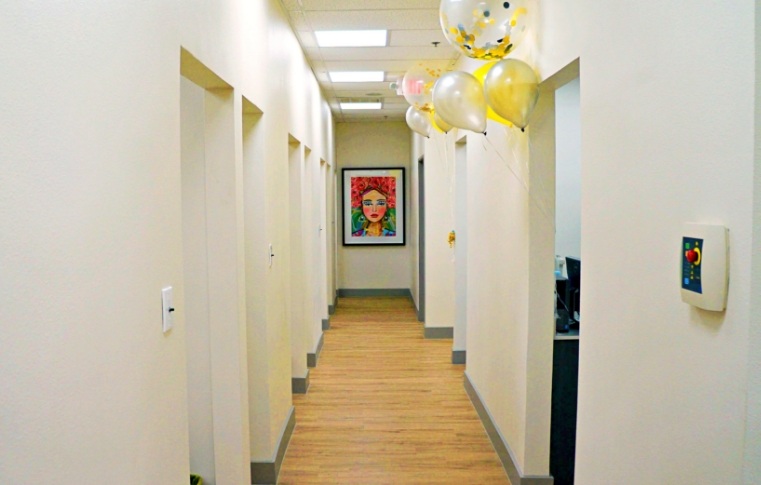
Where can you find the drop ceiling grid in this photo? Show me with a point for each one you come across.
(411, 34)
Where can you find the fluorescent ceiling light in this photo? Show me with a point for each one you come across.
(348, 106)
(357, 77)
(351, 38)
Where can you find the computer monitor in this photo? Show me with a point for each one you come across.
(573, 267)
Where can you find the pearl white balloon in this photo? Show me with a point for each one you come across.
(459, 100)
(418, 121)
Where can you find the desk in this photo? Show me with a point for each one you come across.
(565, 384)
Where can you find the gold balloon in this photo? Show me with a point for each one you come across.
(480, 74)
(512, 90)
(440, 125)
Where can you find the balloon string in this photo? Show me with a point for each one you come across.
(521, 179)
(449, 167)
(542, 188)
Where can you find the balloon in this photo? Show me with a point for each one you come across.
(512, 90)
(418, 84)
(482, 29)
(418, 121)
(459, 100)
(480, 74)
(440, 124)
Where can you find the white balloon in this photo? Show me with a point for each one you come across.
(459, 100)
(418, 121)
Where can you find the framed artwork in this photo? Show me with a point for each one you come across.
(373, 207)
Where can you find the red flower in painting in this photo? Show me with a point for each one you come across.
(361, 185)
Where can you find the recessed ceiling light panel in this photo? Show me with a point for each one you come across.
(351, 38)
(357, 76)
(356, 106)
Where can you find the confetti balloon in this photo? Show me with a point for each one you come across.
(484, 30)
(417, 86)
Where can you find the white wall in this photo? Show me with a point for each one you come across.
(440, 207)
(360, 145)
(752, 464)
(568, 171)
(461, 246)
(510, 252)
(667, 139)
(417, 150)
(92, 229)
(663, 387)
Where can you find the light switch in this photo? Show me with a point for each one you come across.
(167, 309)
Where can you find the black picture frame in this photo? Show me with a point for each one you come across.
(367, 187)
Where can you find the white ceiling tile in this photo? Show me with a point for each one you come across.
(413, 26)
(397, 102)
(387, 66)
(298, 21)
(408, 38)
(374, 19)
(369, 4)
(377, 116)
(291, 4)
(385, 53)
(311, 52)
(363, 89)
(307, 39)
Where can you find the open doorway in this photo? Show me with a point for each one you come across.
(459, 342)
(421, 239)
(296, 310)
(567, 281)
(213, 294)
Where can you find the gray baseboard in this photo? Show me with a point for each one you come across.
(501, 446)
(458, 356)
(313, 356)
(348, 292)
(326, 324)
(300, 385)
(439, 332)
(331, 309)
(267, 471)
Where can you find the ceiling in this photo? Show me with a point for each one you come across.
(413, 28)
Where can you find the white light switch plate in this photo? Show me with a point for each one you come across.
(167, 309)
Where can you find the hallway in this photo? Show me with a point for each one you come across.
(386, 406)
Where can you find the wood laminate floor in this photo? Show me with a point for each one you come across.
(386, 406)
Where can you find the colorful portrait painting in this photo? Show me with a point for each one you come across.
(373, 206)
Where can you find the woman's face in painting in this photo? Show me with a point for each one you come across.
(374, 205)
